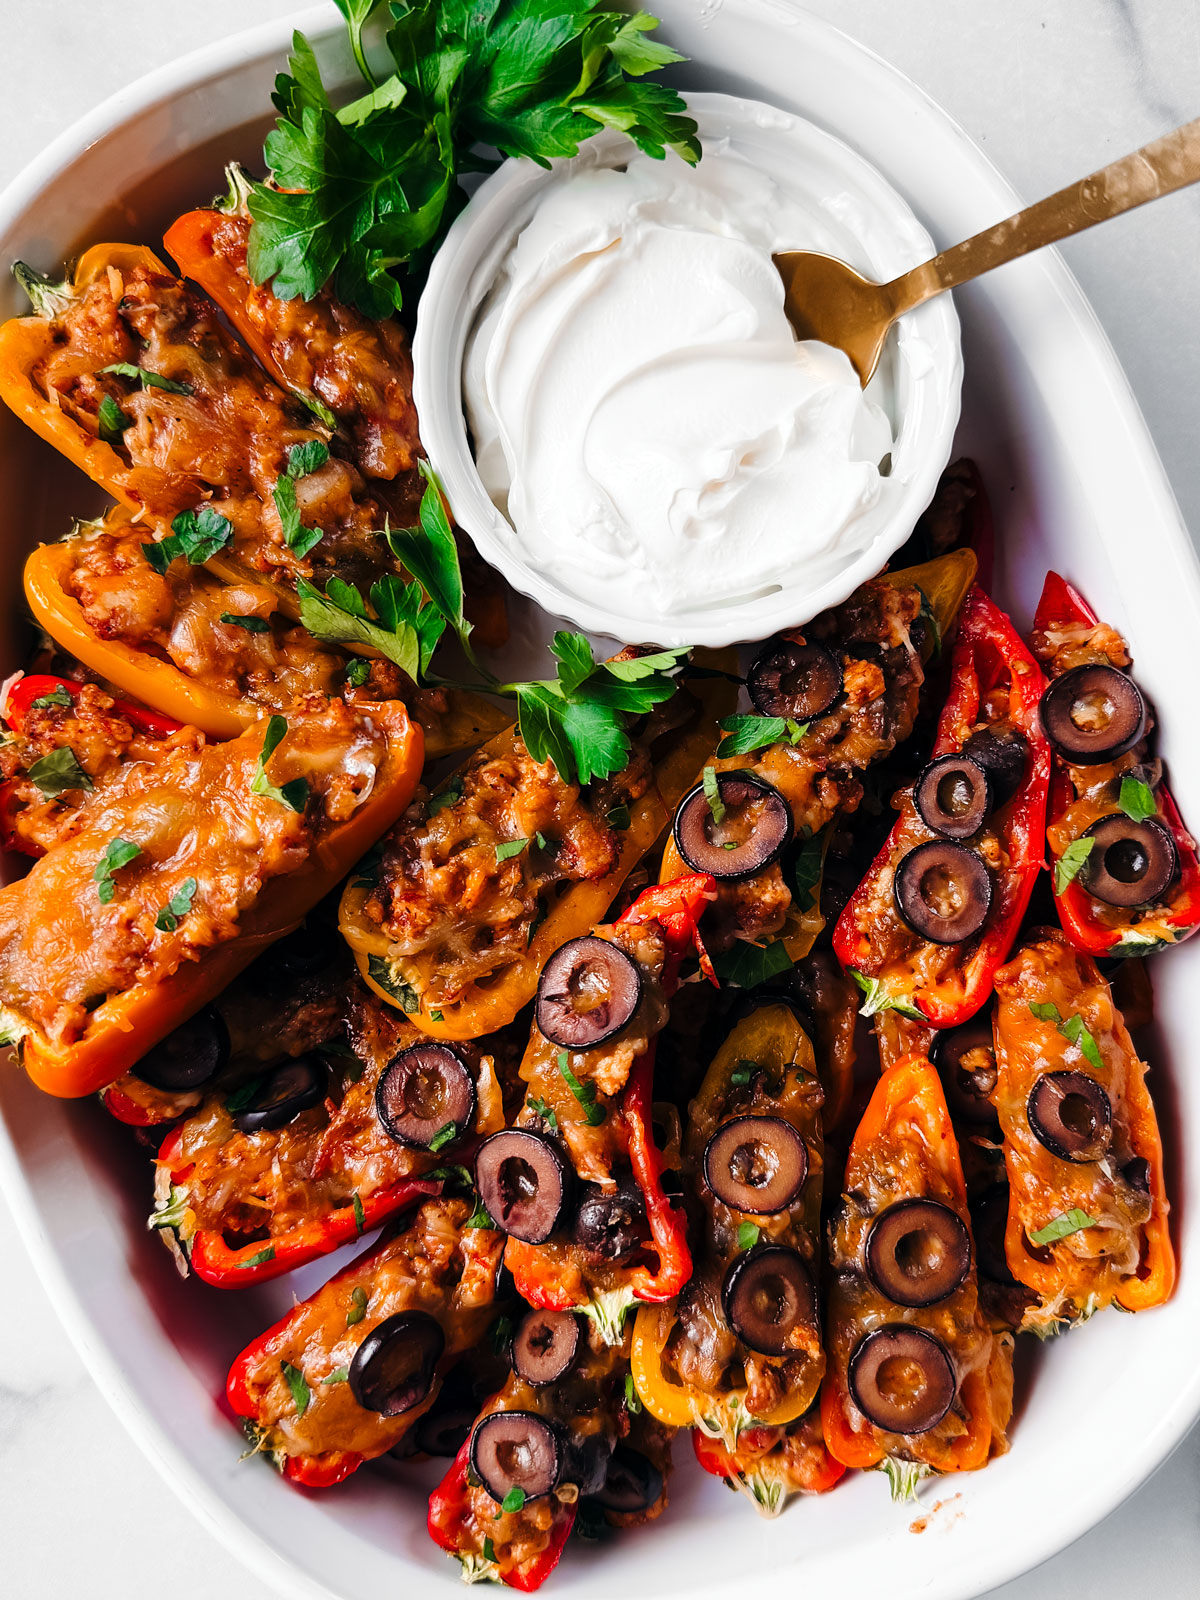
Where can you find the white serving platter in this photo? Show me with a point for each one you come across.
(1075, 482)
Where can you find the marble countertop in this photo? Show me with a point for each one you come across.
(1050, 89)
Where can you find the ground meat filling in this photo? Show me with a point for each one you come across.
(224, 442)
(453, 909)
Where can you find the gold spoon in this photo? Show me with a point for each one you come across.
(827, 300)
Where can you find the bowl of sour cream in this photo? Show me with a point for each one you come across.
(623, 421)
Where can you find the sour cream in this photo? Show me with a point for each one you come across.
(642, 413)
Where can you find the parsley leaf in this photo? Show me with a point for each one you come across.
(1060, 1227)
(338, 1375)
(747, 733)
(514, 1499)
(358, 192)
(405, 628)
(177, 906)
(443, 1137)
(357, 672)
(360, 1215)
(58, 772)
(807, 865)
(358, 1306)
(379, 970)
(489, 1550)
(633, 1403)
(618, 818)
(742, 1074)
(500, 1335)
(748, 965)
(510, 848)
(449, 796)
(198, 535)
(712, 793)
(57, 697)
(251, 624)
(878, 999)
(295, 535)
(585, 1093)
(747, 1235)
(1066, 868)
(294, 793)
(147, 379)
(113, 421)
(430, 554)
(543, 1109)
(1136, 799)
(301, 1393)
(118, 853)
(1072, 1030)
(258, 1259)
(306, 458)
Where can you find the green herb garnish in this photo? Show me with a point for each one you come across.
(512, 847)
(712, 793)
(196, 535)
(742, 1074)
(360, 1215)
(258, 1259)
(58, 773)
(57, 697)
(379, 970)
(1067, 867)
(112, 420)
(339, 1375)
(1060, 1227)
(746, 733)
(147, 379)
(250, 623)
(1136, 799)
(357, 672)
(294, 793)
(358, 1306)
(618, 818)
(878, 999)
(118, 853)
(585, 1093)
(1072, 1030)
(513, 1500)
(177, 906)
(748, 965)
(633, 1402)
(444, 1136)
(747, 1235)
(807, 865)
(301, 1393)
(545, 1111)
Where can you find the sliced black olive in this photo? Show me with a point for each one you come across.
(756, 1164)
(902, 1379)
(633, 1482)
(292, 1087)
(516, 1450)
(545, 1346)
(754, 833)
(989, 1220)
(943, 891)
(953, 797)
(918, 1252)
(444, 1432)
(190, 1057)
(588, 991)
(966, 1061)
(800, 681)
(1003, 754)
(422, 1091)
(1131, 863)
(393, 1367)
(610, 1225)
(1071, 1115)
(523, 1179)
(1093, 714)
(768, 1292)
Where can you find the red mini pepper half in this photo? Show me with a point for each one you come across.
(994, 682)
(677, 908)
(33, 686)
(225, 1266)
(1107, 930)
(449, 1515)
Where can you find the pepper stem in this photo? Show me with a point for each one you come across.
(905, 1477)
(49, 298)
(608, 1312)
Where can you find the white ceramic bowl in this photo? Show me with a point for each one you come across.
(1075, 482)
(918, 382)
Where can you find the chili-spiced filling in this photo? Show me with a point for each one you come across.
(899, 1165)
(755, 1153)
(215, 431)
(871, 639)
(68, 745)
(360, 369)
(93, 917)
(467, 877)
(436, 1265)
(223, 1173)
(1080, 1137)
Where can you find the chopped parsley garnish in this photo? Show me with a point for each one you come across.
(250, 623)
(112, 420)
(1062, 1226)
(618, 818)
(1068, 865)
(339, 1375)
(633, 1403)
(808, 863)
(444, 1136)
(301, 1393)
(449, 796)
(294, 793)
(57, 697)
(358, 192)
(1136, 799)
(58, 772)
(748, 965)
(379, 970)
(481, 1218)
(742, 1074)
(542, 1108)
(585, 1093)
(513, 1500)
(746, 733)
(712, 793)
(405, 627)
(358, 1306)
(877, 999)
(357, 672)
(305, 459)
(1072, 1030)
(196, 535)
(118, 853)
(747, 1235)
(177, 906)
(147, 379)
(500, 1335)
(244, 1094)
(511, 847)
(360, 1216)
(489, 1550)
(258, 1259)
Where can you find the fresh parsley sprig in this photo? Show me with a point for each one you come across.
(1073, 1029)
(358, 192)
(197, 535)
(294, 793)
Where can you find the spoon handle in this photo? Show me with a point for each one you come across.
(1158, 168)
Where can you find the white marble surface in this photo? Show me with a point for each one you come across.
(1050, 89)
